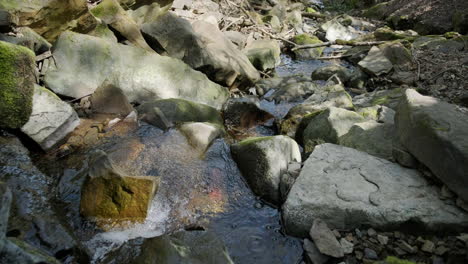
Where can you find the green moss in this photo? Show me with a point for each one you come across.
(310, 10)
(304, 39)
(106, 9)
(450, 35)
(17, 66)
(395, 260)
(377, 12)
(386, 33)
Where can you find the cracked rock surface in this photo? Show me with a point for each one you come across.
(347, 188)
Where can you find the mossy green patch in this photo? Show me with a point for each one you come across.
(17, 78)
(107, 9)
(395, 260)
(310, 10)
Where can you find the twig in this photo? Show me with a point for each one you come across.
(332, 57)
(339, 42)
(276, 37)
(43, 56)
(310, 46)
(76, 99)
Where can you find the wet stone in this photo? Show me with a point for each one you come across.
(370, 254)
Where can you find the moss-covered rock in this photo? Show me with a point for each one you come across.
(305, 39)
(17, 79)
(386, 33)
(109, 194)
(166, 113)
(395, 260)
(49, 18)
(263, 54)
(377, 12)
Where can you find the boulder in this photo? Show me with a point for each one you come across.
(263, 160)
(166, 113)
(49, 18)
(200, 135)
(372, 137)
(263, 54)
(115, 16)
(400, 57)
(306, 54)
(51, 119)
(148, 11)
(18, 76)
(28, 38)
(435, 133)
(103, 31)
(85, 62)
(110, 99)
(108, 193)
(329, 126)
(313, 254)
(204, 47)
(347, 189)
(375, 62)
(324, 73)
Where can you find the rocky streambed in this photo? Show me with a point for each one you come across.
(140, 131)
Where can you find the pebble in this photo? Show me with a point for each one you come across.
(313, 253)
(441, 250)
(358, 233)
(382, 239)
(359, 254)
(370, 254)
(325, 240)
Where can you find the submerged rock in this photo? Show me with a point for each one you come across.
(17, 68)
(184, 247)
(204, 47)
(435, 133)
(348, 188)
(286, 89)
(166, 113)
(324, 73)
(32, 215)
(108, 193)
(244, 112)
(85, 62)
(263, 54)
(51, 119)
(263, 160)
(109, 99)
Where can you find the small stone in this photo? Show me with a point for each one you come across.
(346, 246)
(428, 246)
(397, 234)
(325, 240)
(371, 232)
(399, 251)
(406, 247)
(359, 254)
(441, 250)
(370, 254)
(358, 233)
(382, 239)
(313, 253)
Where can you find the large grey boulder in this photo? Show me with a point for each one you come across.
(51, 119)
(204, 47)
(435, 132)
(372, 137)
(329, 126)
(347, 188)
(85, 62)
(263, 160)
